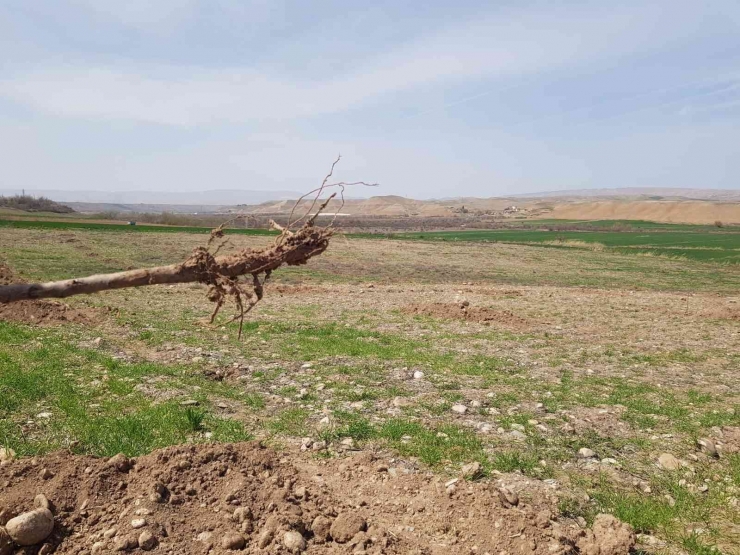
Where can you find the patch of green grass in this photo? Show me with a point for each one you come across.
(644, 513)
(694, 545)
(734, 462)
(353, 425)
(92, 399)
(290, 422)
(512, 461)
(433, 446)
(721, 418)
(195, 418)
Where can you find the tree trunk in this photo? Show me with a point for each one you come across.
(201, 267)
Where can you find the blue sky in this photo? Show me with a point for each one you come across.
(431, 99)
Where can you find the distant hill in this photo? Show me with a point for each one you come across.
(699, 206)
(28, 203)
(649, 193)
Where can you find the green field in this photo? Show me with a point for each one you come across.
(692, 242)
(702, 244)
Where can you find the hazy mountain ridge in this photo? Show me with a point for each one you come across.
(212, 197)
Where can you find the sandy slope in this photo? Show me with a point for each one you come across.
(694, 212)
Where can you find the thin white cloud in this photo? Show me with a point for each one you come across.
(511, 43)
(159, 17)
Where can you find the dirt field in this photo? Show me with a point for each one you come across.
(407, 397)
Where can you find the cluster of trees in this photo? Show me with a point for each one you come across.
(34, 204)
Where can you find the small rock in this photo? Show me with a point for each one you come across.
(294, 542)
(518, 427)
(321, 527)
(347, 443)
(46, 474)
(586, 453)
(242, 514)
(418, 375)
(508, 497)
(6, 454)
(189, 403)
(41, 502)
(32, 527)
(99, 547)
(125, 543)
(44, 415)
(147, 540)
(266, 537)
(517, 435)
(459, 409)
(471, 470)
(120, 462)
(46, 549)
(235, 541)
(346, 525)
(110, 533)
(138, 523)
(707, 445)
(669, 462)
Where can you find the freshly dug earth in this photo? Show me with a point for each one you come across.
(225, 498)
(39, 311)
(456, 311)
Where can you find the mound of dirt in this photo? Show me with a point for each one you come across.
(456, 311)
(226, 498)
(40, 311)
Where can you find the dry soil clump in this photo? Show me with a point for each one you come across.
(246, 498)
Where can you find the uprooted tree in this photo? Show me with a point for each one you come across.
(240, 276)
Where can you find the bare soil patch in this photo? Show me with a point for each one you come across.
(455, 311)
(198, 499)
(41, 311)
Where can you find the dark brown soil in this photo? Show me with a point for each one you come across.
(41, 311)
(480, 314)
(192, 498)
